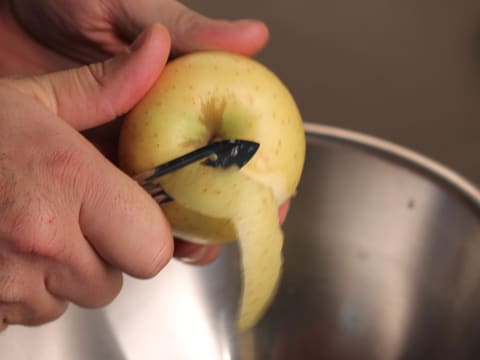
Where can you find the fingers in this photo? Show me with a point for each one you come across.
(196, 254)
(122, 222)
(38, 312)
(246, 37)
(92, 95)
(118, 218)
(66, 207)
(23, 297)
(84, 223)
(283, 211)
(189, 30)
(35, 288)
(79, 275)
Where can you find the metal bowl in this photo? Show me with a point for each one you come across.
(382, 261)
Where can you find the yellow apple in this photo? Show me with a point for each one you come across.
(205, 97)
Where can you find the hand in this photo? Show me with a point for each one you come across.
(70, 221)
(71, 32)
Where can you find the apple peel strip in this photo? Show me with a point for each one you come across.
(250, 205)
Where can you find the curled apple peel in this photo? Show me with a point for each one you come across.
(251, 208)
(208, 96)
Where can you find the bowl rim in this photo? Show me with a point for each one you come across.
(441, 172)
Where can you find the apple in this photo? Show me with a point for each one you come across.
(209, 96)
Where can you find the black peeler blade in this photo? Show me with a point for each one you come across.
(221, 154)
(232, 152)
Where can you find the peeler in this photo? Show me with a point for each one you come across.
(220, 154)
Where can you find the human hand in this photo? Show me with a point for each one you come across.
(70, 221)
(71, 32)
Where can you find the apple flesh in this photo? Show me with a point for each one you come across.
(205, 97)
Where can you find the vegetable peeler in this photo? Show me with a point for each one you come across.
(221, 154)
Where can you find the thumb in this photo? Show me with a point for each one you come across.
(92, 95)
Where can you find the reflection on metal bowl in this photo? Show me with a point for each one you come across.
(382, 261)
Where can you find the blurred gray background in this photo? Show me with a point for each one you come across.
(407, 71)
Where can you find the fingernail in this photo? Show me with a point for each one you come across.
(196, 256)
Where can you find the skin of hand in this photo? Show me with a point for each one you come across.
(80, 32)
(58, 34)
(58, 246)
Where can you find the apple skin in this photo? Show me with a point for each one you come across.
(209, 96)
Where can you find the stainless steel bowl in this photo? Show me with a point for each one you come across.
(382, 261)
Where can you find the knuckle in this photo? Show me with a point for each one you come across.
(66, 166)
(32, 221)
(71, 173)
(105, 291)
(29, 313)
(97, 73)
(33, 233)
(94, 79)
